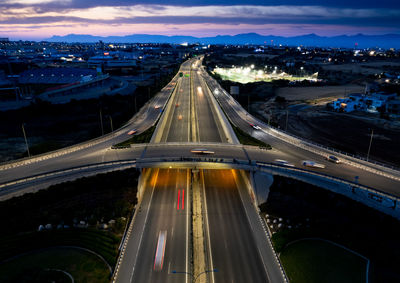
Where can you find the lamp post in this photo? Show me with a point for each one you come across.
(111, 124)
(370, 142)
(26, 141)
(194, 278)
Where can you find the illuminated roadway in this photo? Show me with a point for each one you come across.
(232, 248)
(166, 184)
(148, 115)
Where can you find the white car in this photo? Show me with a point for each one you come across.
(314, 164)
(255, 127)
(201, 151)
(283, 162)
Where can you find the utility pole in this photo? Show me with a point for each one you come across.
(101, 123)
(269, 117)
(26, 141)
(370, 142)
(287, 118)
(112, 129)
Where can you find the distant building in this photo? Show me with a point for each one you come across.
(362, 102)
(355, 101)
(56, 76)
(4, 39)
(113, 60)
(377, 100)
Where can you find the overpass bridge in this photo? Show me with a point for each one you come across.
(197, 112)
(377, 199)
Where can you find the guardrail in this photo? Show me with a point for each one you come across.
(357, 161)
(382, 201)
(83, 145)
(65, 171)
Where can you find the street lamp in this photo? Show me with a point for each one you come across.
(194, 278)
(370, 142)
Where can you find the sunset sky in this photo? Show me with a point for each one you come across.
(39, 19)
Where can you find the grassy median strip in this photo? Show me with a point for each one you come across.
(246, 139)
(144, 137)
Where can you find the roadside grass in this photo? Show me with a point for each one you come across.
(43, 147)
(246, 139)
(95, 201)
(312, 260)
(104, 243)
(39, 266)
(144, 137)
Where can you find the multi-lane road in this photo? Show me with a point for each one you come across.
(233, 245)
(228, 236)
(168, 210)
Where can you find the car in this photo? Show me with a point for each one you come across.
(283, 162)
(201, 151)
(333, 159)
(255, 127)
(310, 163)
(132, 132)
(176, 105)
(157, 107)
(179, 117)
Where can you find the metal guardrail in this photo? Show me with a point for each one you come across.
(232, 162)
(80, 146)
(319, 149)
(241, 164)
(68, 170)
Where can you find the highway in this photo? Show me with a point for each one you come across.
(219, 193)
(168, 210)
(188, 121)
(148, 115)
(233, 246)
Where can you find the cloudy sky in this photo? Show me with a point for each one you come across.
(38, 19)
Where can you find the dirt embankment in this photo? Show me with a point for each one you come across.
(308, 118)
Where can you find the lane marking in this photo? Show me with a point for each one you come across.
(177, 203)
(208, 225)
(145, 222)
(183, 199)
(187, 225)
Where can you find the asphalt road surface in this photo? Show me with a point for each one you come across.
(233, 247)
(169, 210)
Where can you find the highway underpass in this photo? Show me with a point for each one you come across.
(192, 119)
(229, 246)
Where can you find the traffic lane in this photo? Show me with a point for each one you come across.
(211, 101)
(178, 128)
(207, 122)
(184, 150)
(338, 170)
(88, 155)
(164, 216)
(234, 252)
(347, 172)
(297, 154)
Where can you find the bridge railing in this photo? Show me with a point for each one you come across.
(354, 160)
(372, 197)
(86, 144)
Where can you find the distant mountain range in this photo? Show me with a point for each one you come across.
(349, 41)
